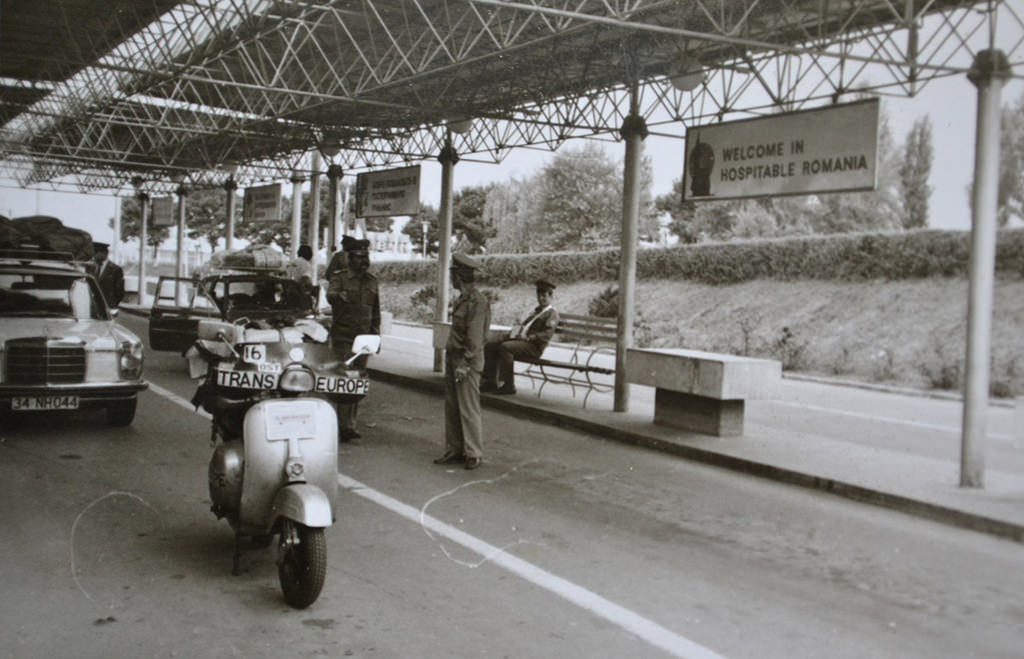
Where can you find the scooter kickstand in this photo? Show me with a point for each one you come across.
(237, 558)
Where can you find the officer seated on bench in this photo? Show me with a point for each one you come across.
(528, 341)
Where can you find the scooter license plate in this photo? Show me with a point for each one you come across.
(42, 403)
(292, 420)
(333, 384)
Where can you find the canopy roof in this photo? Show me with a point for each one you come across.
(98, 92)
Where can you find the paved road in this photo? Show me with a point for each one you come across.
(562, 545)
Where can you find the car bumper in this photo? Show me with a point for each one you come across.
(88, 394)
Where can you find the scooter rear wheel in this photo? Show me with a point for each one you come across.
(302, 566)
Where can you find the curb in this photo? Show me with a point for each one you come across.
(859, 493)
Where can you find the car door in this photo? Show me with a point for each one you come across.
(178, 305)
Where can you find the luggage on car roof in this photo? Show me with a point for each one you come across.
(46, 233)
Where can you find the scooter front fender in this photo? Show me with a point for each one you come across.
(303, 503)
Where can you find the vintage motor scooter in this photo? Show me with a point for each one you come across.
(274, 468)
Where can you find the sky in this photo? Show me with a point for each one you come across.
(950, 103)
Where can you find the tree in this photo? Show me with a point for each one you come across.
(414, 229)
(468, 218)
(511, 210)
(206, 215)
(131, 224)
(914, 172)
(1011, 163)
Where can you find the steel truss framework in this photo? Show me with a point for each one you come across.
(260, 84)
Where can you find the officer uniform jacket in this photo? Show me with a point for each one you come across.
(471, 319)
(355, 305)
(540, 326)
(110, 277)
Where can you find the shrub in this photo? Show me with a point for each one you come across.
(851, 257)
(605, 304)
(788, 350)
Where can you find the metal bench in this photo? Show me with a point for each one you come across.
(588, 337)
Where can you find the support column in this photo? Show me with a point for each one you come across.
(448, 159)
(988, 73)
(179, 264)
(334, 173)
(229, 232)
(297, 181)
(633, 131)
(143, 230)
(312, 231)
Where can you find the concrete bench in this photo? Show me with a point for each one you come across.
(700, 391)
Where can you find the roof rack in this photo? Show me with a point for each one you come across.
(24, 253)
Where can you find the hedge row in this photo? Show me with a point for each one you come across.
(849, 257)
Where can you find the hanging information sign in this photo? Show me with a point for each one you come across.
(262, 204)
(388, 193)
(163, 212)
(832, 149)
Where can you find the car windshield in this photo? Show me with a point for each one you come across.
(262, 294)
(50, 295)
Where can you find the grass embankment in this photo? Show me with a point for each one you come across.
(907, 333)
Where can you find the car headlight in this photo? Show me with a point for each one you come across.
(297, 380)
(130, 360)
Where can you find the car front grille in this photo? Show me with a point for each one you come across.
(32, 361)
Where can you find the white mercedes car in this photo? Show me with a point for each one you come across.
(60, 348)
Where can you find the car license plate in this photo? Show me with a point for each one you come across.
(333, 384)
(42, 403)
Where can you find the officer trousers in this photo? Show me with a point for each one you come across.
(499, 360)
(347, 412)
(463, 425)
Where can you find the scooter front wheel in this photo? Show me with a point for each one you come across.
(302, 566)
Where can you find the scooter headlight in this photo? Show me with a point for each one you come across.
(297, 380)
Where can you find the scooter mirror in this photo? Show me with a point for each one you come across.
(366, 344)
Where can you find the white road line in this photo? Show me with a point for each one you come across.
(645, 629)
(634, 623)
(883, 419)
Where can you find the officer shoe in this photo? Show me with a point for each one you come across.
(473, 463)
(450, 457)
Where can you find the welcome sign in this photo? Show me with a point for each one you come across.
(833, 149)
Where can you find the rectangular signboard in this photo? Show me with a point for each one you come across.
(388, 193)
(163, 212)
(262, 204)
(832, 149)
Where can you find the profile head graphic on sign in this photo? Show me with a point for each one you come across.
(828, 149)
(701, 162)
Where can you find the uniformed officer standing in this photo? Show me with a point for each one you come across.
(108, 274)
(464, 361)
(355, 309)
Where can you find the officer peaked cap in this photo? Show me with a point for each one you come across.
(544, 285)
(100, 247)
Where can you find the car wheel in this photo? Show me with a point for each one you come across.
(122, 412)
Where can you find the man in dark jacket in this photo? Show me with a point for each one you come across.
(108, 275)
(355, 309)
(527, 340)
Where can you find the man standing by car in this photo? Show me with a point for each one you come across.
(355, 309)
(108, 275)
